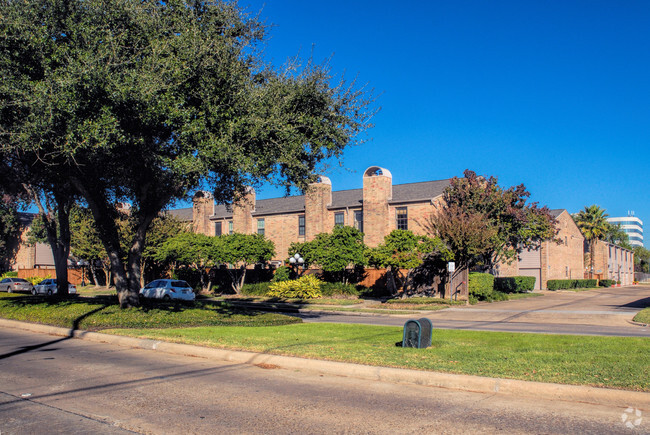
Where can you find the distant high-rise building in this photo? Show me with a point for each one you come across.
(632, 226)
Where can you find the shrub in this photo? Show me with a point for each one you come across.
(586, 283)
(606, 282)
(338, 288)
(282, 273)
(9, 275)
(514, 284)
(36, 279)
(257, 289)
(558, 284)
(306, 287)
(481, 288)
(480, 284)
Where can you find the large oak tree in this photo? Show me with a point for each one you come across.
(146, 102)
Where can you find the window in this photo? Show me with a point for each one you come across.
(231, 227)
(339, 219)
(358, 220)
(402, 218)
(301, 225)
(260, 226)
(217, 229)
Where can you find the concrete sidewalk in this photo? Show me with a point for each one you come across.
(572, 393)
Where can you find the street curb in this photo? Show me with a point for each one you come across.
(469, 383)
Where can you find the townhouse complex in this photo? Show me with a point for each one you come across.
(376, 209)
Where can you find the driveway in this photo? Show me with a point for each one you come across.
(603, 307)
(607, 311)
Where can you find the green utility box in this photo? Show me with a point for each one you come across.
(417, 333)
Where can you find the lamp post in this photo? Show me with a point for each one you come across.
(82, 264)
(296, 261)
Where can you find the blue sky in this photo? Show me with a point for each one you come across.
(555, 95)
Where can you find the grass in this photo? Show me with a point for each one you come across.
(613, 362)
(643, 316)
(320, 301)
(103, 312)
(514, 296)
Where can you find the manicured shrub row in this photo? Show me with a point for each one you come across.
(606, 282)
(558, 284)
(514, 284)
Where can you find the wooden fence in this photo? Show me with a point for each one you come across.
(74, 275)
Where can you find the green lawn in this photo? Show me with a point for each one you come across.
(102, 312)
(615, 362)
(643, 316)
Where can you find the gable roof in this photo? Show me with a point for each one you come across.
(182, 214)
(402, 193)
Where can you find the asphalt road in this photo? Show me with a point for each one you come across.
(607, 312)
(54, 385)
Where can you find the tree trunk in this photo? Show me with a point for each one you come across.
(142, 267)
(57, 229)
(130, 297)
(592, 248)
(93, 272)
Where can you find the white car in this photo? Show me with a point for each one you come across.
(11, 285)
(168, 289)
(48, 287)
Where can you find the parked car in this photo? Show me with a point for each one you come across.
(168, 289)
(11, 285)
(48, 287)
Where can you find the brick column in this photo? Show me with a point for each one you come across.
(377, 191)
(203, 207)
(317, 198)
(242, 213)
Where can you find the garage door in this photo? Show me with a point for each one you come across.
(536, 272)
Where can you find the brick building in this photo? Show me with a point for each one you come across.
(25, 256)
(560, 259)
(613, 262)
(376, 209)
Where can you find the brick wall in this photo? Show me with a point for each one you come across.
(282, 229)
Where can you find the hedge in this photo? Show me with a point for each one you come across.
(606, 282)
(514, 284)
(480, 284)
(557, 284)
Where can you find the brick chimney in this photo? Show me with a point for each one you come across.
(317, 198)
(242, 212)
(203, 207)
(377, 191)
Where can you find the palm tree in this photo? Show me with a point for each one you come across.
(594, 226)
